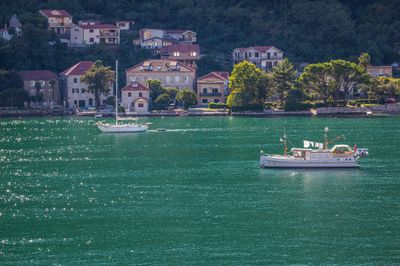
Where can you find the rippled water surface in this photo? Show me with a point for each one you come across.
(194, 194)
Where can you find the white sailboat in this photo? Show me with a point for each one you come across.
(120, 128)
(339, 156)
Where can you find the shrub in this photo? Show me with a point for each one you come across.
(298, 106)
(213, 105)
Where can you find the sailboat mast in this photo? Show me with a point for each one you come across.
(284, 143)
(116, 92)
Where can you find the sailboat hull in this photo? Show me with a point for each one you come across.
(109, 128)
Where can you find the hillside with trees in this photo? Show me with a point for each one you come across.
(308, 31)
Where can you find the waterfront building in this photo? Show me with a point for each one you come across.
(135, 97)
(60, 21)
(376, 71)
(170, 73)
(264, 57)
(42, 86)
(91, 32)
(74, 91)
(212, 87)
(187, 54)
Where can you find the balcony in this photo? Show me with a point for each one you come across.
(61, 24)
(211, 94)
(272, 57)
(109, 34)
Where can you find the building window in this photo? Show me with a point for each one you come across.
(204, 90)
(275, 53)
(91, 39)
(204, 101)
(268, 55)
(257, 54)
(214, 90)
(91, 30)
(75, 80)
(249, 54)
(75, 102)
(32, 83)
(186, 78)
(177, 79)
(168, 78)
(193, 54)
(129, 94)
(83, 90)
(140, 105)
(90, 101)
(73, 90)
(176, 53)
(140, 94)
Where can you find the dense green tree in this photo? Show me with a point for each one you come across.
(12, 93)
(249, 83)
(283, 79)
(186, 97)
(99, 78)
(315, 80)
(364, 60)
(162, 101)
(156, 89)
(172, 92)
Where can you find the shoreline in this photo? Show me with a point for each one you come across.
(375, 111)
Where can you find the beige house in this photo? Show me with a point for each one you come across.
(60, 21)
(169, 72)
(135, 98)
(212, 87)
(376, 71)
(87, 33)
(43, 84)
(75, 91)
(187, 54)
(264, 57)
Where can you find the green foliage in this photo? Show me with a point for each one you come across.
(283, 78)
(172, 92)
(99, 78)
(248, 84)
(156, 89)
(364, 60)
(162, 101)
(12, 93)
(186, 97)
(213, 105)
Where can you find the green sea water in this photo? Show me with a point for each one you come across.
(195, 194)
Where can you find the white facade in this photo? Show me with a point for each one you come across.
(78, 95)
(264, 57)
(135, 98)
(94, 34)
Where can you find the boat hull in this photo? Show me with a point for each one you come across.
(268, 161)
(122, 128)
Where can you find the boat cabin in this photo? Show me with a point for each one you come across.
(342, 151)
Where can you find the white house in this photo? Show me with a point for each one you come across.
(135, 98)
(87, 33)
(75, 91)
(264, 57)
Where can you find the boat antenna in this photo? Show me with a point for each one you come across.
(326, 142)
(116, 91)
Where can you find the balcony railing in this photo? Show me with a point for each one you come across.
(211, 94)
(61, 24)
(108, 34)
(272, 57)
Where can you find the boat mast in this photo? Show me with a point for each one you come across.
(326, 142)
(116, 92)
(284, 143)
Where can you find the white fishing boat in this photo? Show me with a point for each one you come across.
(132, 127)
(314, 155)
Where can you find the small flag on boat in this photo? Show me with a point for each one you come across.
(355, 148)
